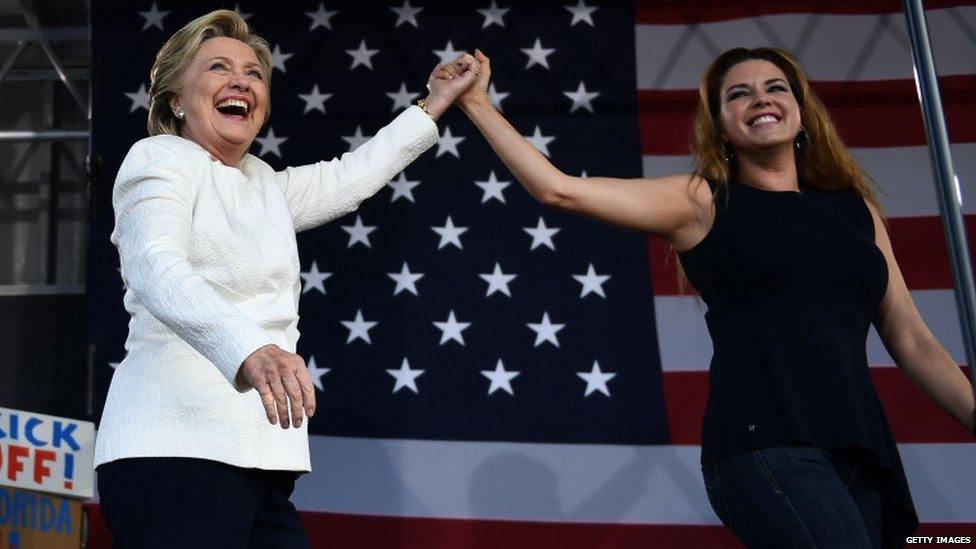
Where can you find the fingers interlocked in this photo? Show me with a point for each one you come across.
(458, 67)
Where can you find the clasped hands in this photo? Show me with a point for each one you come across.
(462, 80)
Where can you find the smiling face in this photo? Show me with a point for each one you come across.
(224, 98)
(758, 109)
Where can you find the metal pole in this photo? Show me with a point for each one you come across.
(947, 186)
(53, 194)
(44, 135)
(21, 46)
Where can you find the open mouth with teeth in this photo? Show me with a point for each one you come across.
(234, 108)
(764, 120)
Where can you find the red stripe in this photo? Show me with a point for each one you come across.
(681, 12)
(918, 243)
(664, 269)
(373, 532)
(913, 417)
(920, 248)
(877, 113)
(378, 532)
(685, 396)
(947, 529)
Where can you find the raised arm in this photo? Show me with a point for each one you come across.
(677, 208)
(320, 192)
(910, 342)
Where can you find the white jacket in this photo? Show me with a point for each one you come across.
(210, 263)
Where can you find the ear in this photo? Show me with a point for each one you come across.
(175, 104)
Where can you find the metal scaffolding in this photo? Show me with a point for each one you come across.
(35, 58)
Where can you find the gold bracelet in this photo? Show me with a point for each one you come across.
(422, 103)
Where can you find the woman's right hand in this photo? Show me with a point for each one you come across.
(478, 92)
(282, 380)
(447, 82)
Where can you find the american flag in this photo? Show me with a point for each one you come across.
(492, 373)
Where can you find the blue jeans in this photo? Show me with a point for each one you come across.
(795, 496)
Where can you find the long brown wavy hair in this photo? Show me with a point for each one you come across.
(822, 160)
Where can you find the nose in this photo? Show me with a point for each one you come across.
(761, 98)
(239, 82)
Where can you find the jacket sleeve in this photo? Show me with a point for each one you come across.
(320, 192)
(153, 200)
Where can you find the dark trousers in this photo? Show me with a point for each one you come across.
(182, 502)
(796, 496)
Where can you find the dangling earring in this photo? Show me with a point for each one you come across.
(801, 139)
(181, 114)
(727, 152)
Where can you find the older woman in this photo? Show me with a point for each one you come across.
(203, 431)
(780, 231)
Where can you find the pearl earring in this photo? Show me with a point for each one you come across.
(181, 114)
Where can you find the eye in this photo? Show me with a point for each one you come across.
(778, 87)
(735, 95)
(256, 74)
(217, 66)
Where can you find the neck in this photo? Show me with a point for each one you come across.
(229, 155)
(769, 170)
(227, 158)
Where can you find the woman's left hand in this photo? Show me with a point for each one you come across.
(448, 81)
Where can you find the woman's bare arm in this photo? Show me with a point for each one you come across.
(677, 208)
(910, 342)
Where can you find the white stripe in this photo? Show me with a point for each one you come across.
(903, 175)
(837, 47)
(567, 483)
(680, 321)
(933, 470)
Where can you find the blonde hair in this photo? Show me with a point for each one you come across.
(822, 160)
(173, 59)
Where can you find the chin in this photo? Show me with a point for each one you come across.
(774, 145)
(237, 137)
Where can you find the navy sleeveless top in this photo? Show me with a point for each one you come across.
(792, 281)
